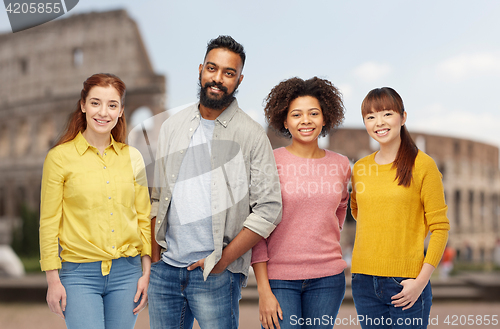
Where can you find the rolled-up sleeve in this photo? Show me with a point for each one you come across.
(265, 192)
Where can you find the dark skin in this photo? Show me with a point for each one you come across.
(224, 67)
(243, 242)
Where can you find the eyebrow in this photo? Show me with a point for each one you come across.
(311, 109)
(98, 99)
(226, 68)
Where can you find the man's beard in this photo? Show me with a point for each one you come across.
(215, 103)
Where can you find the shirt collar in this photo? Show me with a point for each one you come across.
(82, 145)
(225, 117)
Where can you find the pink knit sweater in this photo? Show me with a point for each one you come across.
(305, 245)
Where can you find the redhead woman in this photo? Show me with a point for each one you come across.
(95, 235)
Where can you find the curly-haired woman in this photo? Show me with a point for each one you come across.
(299, 267)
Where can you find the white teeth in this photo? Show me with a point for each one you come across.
(306, 130)
(381, 131)
(215, 88)
(100, 121)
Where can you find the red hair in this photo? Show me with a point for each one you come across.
(78, 122)
(387, 99)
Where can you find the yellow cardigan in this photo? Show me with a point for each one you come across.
(393, 221)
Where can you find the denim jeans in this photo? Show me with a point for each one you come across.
(101, 302)
(372, 298)
(178, 296)
(311, 303)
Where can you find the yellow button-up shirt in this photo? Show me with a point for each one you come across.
(95, 206)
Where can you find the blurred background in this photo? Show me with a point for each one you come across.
(442, 57)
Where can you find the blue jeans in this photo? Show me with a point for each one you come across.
(101, 302)
(372, 298)
(311, 303)
(178, 296)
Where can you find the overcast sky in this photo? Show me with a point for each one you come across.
(443, 57)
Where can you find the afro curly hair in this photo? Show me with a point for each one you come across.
(276, 104)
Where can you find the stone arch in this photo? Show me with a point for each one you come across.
(3, 211)
(22, 139)
(4, 141)
(45, 135)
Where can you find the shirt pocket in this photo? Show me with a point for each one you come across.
(84, 192)
(125, 191)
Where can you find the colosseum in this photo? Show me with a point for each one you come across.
(471, 180)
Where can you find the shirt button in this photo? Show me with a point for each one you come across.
(113, 247)
(104, 167)
(173, 176)
(105, 153)
(197, 115)
(109, 197)
(166, 199)
(182, 152)
(158, 222)
(190, 129)
(111, 214)
(112, 230)
(224, 122)
(107, 182)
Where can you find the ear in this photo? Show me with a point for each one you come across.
(284, 124)
(82, 106)
(404, 118)
(121, 112)
(200, 68)
(241, 78)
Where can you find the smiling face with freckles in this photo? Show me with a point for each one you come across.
(102, 109)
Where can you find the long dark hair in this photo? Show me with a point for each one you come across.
(78, 122)
(386, 98)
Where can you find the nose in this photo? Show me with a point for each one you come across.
(218, 77)
(103, 110)
(306, 119)
(379, 120)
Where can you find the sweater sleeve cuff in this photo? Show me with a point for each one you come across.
(259, 252)
(437, 243)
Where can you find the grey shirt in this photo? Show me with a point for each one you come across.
(245, 190)
(189, 226)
